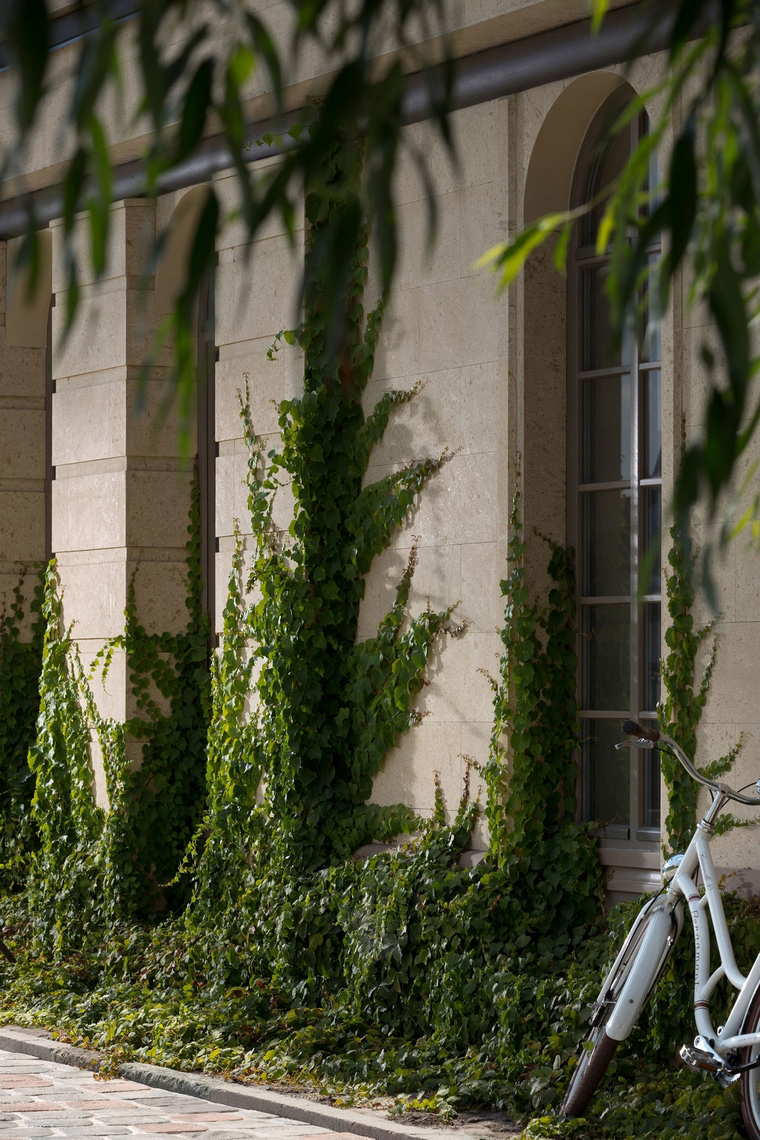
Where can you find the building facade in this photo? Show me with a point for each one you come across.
(525, 390)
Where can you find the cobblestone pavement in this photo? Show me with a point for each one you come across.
(42, 1099)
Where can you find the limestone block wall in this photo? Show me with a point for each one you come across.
(256, 297)
(732, 711)
(473, 26)
(446, 331)
(23, 420)
(121, 491)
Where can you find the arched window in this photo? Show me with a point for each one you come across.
(614, 519)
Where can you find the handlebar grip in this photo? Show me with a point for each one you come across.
(631, 728)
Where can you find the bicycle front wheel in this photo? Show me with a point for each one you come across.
(749, 1082)
(623, 995)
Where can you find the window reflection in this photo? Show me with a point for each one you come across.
(607, 656)
(606, 771)
(598, 347)
(607, 545)
(652, 466)
(606, 429)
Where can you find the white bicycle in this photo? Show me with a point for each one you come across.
(732, 1051)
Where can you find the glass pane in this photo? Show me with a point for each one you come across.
(651, 789)
(650, 327)
(606, 543)
(606, 443)
(606, 165)
(652, 451)
(652, 649)
(650, 770)
(653, 173)
(607, 772)
(606, 657)
(596, 333)
(651, 505)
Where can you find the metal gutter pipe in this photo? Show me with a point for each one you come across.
(74, 26)
(559, 53)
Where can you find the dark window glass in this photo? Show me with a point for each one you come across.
(606, 772)
(607, 657)
(606, 432)
(652, 385)
(650, 762)
(616, 400)
(651, 502)
(651, 640)
(607, 543)
(598, 349)
(607, 164)
(650, 332)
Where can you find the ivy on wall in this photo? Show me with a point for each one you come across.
(20, 665)
(330, 709)
(288, 785)
(531, 772)
(326, 710)
(681, 710)
(91, 865)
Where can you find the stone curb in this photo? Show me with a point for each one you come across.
(39, 1043)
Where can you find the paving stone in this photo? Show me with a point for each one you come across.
(171, 1129)
(94, 1130)
(119, 1118)
(218, 1114)
(44, 1100)
(118, 1085)
(32, 1106)
(24, 1080)
(99, 1105)
(27, 1134)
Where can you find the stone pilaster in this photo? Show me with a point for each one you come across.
(23, 336)
(121, 490)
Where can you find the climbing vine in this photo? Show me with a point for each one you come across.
(681, 710)
(289, 783)
(20, 664)
(324, 709)
(92, 865)
(531, 772)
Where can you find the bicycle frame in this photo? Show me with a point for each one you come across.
(698, 856)
(727, 1053)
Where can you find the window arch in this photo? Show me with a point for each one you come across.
(614, 515)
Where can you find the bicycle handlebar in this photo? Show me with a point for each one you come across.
(631, 728)
(646, 737)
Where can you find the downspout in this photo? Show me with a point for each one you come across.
(559, 53)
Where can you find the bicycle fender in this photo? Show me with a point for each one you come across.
(644, 970)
